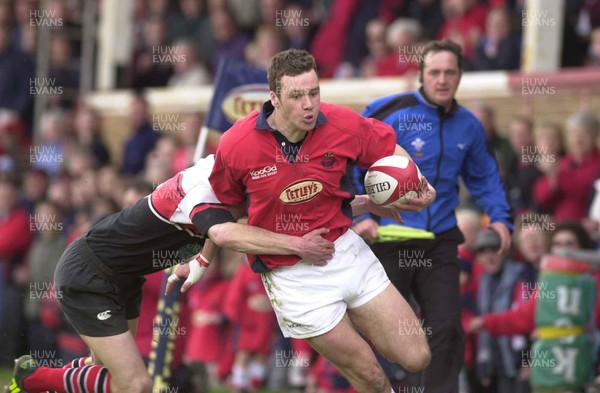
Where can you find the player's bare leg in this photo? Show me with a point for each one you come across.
(121, 356)
(391, 325)
(352, 355)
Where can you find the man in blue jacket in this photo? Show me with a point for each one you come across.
(446, 141)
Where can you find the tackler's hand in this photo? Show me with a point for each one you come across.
(192, 271)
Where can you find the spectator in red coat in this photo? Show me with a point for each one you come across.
(402, 37)
(15, 238)
(209, 330)
(567, 187)
(249, 309)
(465, 24)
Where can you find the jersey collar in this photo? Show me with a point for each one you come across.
(439, 108)
(267, 109)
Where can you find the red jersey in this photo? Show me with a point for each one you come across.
(294, 188)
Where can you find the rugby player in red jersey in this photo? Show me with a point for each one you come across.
(289, 164)
(100, 275)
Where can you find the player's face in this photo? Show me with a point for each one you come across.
(299, 101)
(441, 77)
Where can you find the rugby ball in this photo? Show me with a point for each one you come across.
(392, 179)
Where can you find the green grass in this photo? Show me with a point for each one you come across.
(5, 375)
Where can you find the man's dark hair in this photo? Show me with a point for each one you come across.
(441, 46)
(290, 62)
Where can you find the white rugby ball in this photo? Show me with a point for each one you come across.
(392, 179)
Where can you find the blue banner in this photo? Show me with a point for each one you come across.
(239, 89)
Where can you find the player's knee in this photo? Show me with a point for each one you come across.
(419, 359)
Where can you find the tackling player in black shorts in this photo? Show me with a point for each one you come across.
(100, 276)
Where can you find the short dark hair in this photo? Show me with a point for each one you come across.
(290, 62)
(583, 238)
(441, 46)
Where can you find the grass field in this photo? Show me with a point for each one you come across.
(5, 375)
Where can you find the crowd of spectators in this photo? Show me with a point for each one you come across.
(58, 180)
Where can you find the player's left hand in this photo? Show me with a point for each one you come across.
(505, 239)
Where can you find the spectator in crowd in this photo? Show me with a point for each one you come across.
(134, 191)
(22, 18)
(87, 129)
(63, 72)
(190, 21)
(429, 14)
(110, 184)
(59, 193)
(152, 64)
(376, 45)
(48, 153)
(253, 322)
(84, 189)
(230, 41)
(468, 309)
(402, 37)
(37, 274)
(498, 49)
(355, 49)
(469, 222)
(77, 162)
(188, 69)
(35, 186)
(209, 329)
(523, 318)
(593, 57)
(522, 171)
(15, 238)
(333, 29)
(500, 289)
(531, 240)
(267, 42)
(570, 235)
(464, 24)
(16, 72)
(159, 9)
(184, 155)
(502, 149)
(566, 187)
(299, 34)
(142, 138)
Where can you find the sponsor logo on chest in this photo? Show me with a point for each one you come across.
(261, 173)
(301, 191)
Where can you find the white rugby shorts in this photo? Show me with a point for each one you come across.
(311, 300)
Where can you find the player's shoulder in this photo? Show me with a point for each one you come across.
(381, 107)
(341, 118)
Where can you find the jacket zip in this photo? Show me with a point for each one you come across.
(437, 173)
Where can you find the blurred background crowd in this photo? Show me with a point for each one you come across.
(59, 178)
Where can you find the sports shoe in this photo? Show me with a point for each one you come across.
(24, 367)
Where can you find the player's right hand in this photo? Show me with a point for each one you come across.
(317, 250)
(367, 229)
